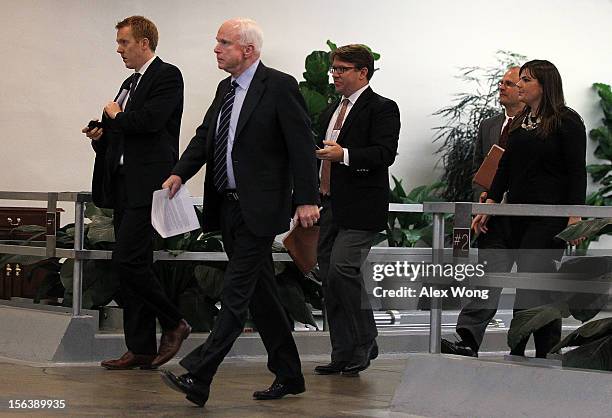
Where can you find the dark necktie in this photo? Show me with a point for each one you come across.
(503, 138)
(220, 171)
(326, 164)
(133, 84)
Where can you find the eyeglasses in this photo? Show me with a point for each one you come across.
(506, 83)
(341, 70)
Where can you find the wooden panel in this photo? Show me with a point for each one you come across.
(12, 217)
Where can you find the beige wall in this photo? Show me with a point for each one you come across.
(59, 65)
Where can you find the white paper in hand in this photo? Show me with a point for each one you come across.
(173, 216)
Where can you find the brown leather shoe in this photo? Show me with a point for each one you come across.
(171, 343)
(129, 361)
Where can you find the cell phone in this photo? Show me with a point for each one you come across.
(94, 124)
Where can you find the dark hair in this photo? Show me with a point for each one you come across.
(553, 101)
(356, 54)
(141, 28)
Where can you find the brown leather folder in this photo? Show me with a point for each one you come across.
(486, 173)
(301, 243)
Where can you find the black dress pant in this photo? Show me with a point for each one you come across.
(249, 285)
(531, 243)
(341, 253)
(142, 297)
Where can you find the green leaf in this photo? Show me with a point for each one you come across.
(525, 322)
(292, 296)
(596, 355)
(92, 210)
(587, 333)
(99, 285)
(210, 280)
(315, 101)
(587, 228)
(332, 46)
(199, 311)
(317, 70)
(100, 230)
(598, 171)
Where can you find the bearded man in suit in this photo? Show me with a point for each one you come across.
(259, 153)
(136, 146)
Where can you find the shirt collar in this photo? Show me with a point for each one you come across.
(244, 79)
(353, 97)
(145, 66)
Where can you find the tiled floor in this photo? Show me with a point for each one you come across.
(93, 391)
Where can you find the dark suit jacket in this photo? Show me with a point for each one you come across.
(360, 191)
(146, 133)
(273, 154)
(488, 135)
(544, 170)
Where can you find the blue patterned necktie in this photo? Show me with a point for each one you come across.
(220, 171)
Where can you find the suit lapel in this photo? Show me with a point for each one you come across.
(325, 119)
(124, 86)
(144, 84)
(495, 131)
(361, 102)
(212, 132)
(256, 90)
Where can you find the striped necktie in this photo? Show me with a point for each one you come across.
(220, 171)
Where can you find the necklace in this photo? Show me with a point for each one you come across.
(529, 124)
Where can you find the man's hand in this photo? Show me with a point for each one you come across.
(479, 223)
(307, 215)
(332, 152)
(173, 183)
(111, 109)
(93, 134)
(571, 221)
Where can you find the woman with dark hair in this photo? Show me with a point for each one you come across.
(544, 163)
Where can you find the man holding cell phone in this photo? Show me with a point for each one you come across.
(358, 146)
(136, 146)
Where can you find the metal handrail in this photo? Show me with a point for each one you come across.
(505, 209)
(437, 209)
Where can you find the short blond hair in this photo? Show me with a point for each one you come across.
(141, 28)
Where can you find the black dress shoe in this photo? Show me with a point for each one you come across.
(278, 390)
(334, 367)
(459, 348)
(374, 352)
(196, 391)
(361, 359)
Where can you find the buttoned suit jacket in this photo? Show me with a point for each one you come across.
(146, 133)
(360, 191)
(488, 135)
(273, 154)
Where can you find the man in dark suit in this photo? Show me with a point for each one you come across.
(136, 147)
(477, 313)
(491, 129)
(259, 154)
(360, 143)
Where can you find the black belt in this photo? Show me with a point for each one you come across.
(230, 194)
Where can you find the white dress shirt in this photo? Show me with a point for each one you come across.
(244, 81)
(141, 70)
(330, 136)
